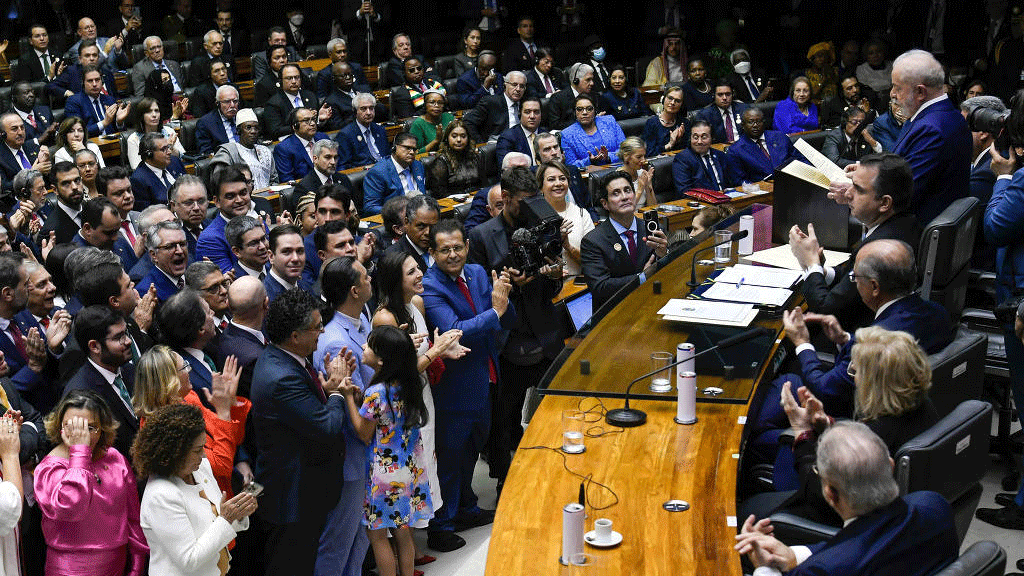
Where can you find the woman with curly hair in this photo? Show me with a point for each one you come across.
(162, 379)
(71, 138)
(187, 522)
(87, 494)
(459, 166)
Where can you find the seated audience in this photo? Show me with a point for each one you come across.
(851, 95)
(495, 114)
(562, 104)
(427, 128)
(68, 75)
(849, 142)
(71, 139)
(204, 98)
(277, 109)
(398, 174)
(668, 66)
(620, 100)
(324, 173)
(876, 71)
(261, 59)
(156, 173)
(160, 88)
(522, 137)
(797, 113)
(701, 166)
(698, 91)
(758, 153)
(155, 60)
(218, 126)
(86, 489)
(823, 76)
(467, 57)
(341, 95)
(293, 156)
(666, 130)
(39, 65)
(363, 142)
(269, 84)
(39, 124)
(146, 118)
(337, 51)
(482, 80)
(247, 150)
(99, 111)
(708, 217)
(409, 98)
(458, 167)
(521, 53)
(401, 48)
(748, 85)
(633, 155)
(592, 140)
(723, 114)
(213, 52)
(544, 79)
(553, 181)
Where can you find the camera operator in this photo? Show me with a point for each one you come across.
(985, 116)
(1003, 230)
(537, 336)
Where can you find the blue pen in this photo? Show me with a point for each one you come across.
(740, 283)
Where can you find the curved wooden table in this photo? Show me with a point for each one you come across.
(645, 466)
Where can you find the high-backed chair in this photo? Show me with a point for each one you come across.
(944, 254)
(984, 558)
(958, 371)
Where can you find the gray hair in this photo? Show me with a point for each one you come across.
(197, 272)
(737, 52)
(209, 35)
(920, 67)
(237, 227)
(85, 151)
(991, 102)
(181, 182)
(87, 258)
(894, 269)
(153, 234)
(327, 143)
(25, 179)
(224, 89)
(145, 43)
(363, 96)
(511, 157)
(855, 462)
(509, 75)
(334, 42)
(147, 213)
(579, 70)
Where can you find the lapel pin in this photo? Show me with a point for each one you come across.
(617, 247)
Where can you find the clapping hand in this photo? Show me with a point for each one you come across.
(830, 325)
(338, 370)
(808, 414)
(447, 344)
(35, 348)
(805, 247)
(143, 314)
(223, 388)
(60, 327)
(240, 506)
(796, 328)
(600, 156)
(763, 549)
(10, 439)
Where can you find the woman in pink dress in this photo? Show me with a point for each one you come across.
(87, 494)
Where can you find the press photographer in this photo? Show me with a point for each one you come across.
(525, 240)
(1003, 229)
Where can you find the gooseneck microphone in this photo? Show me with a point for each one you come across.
(627, 417)
(693, 264)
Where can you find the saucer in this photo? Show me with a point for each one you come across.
(591, 538)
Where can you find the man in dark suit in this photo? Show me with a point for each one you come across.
(324, 173)
(398, 174)
(37, 64)
(103, 334)
(39, 124)
(326, 79)
(363, 142)
(340, 95)
(213, 44)
(157, 171)
(236, 40)
(913, 535)
(275, 37)
(186, 324)
(218, 126)
(101, 227)
(278, 108)
(543, 79)
(935, 139)
(748, 85)
(520, 54)
(331, 203)
(846, 144)
(853, 94)
(204, 97)
(187, 200)
(17, 154)
(22, 347)
(127, 24)
(620, 250)
(64, 221)
(536, 336)
(723, 114)
(155, 60)
(759, 153)
(879, 199)
(231, 195)
(495, 114)
(421, 215)
(100, 112)
(477, 82)
(299, 420)
(596, 55)
(522, 137)
(287, 261)
(562, 104)
(169, 251)
(460, 295)
(982, 177)
(68, 77)
(293, 155)
(244, 336)
(401, 49)
(701, 166)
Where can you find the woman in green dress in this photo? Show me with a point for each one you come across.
(428, 128)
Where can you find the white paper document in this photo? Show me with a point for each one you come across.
(759, 276)
(747, 293)
(782, 257)
(702, 310)
(821, 162)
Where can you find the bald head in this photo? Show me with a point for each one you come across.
(494, 201)
(248, 301)
(917, 77)
(886, 269)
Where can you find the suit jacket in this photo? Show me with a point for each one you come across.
(488, 118)
(514, 140)
(561, 111)
(115, 26)
(89, 378)
(164, 287)
(275, 288)
(983, 179)
(34, 444)
(260, 68)
(841, 297)
(203, 99)
(605, 259)
(402, 105)
(382, 182)
(199, 69)
(148, 188)
(914, 535)
(300, 440)
(142, 267)
(43, 117)
(713, 115)
(292, 159)
(325, 80)
(842, 151)
(535, 86)
(342, 111)
(10, 165)
(30, 67)
(237, 42)
(81, 105)
(690, 172)
(353, 151)
(937, 145)
(926, 321)
(213, 245)
(516, 56)
(740, 91)
(403, 245)
(463, 385)
(35, 388)
(121, 247)
(142, 69)
(469, 89)
(210, 132)
(751, 161)
(60, 223)
(275, 112)
(70, 80)
(311, 183)
(246, 349)
(199, 376)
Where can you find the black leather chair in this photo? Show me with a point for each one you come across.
(768, 109)
(633, 126)
(122, 138)
(356, 178)
(188, 135)
(641, 70)
(190, 49)
(815, 139)
(444, 69)
(186, 65)
(664, 184)
(944, 254)
(382, 76)
(316, 51)
(137, 53)
(958, 371)
(492, 169)
(984, 558)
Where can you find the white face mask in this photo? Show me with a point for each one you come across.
(742, 68)
(297, 20)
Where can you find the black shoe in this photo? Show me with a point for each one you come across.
(1020, 564)
(473, 519)
(1006, 499)
(1009, 517)
(444, 541)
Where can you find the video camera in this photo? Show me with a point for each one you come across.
(539, 240)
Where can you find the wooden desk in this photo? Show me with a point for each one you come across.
(645, 466)
(677, 220)
(110, 146)
(447, 206)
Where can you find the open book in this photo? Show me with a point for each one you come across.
(822, 165)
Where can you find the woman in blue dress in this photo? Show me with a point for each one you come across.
(592, 139)
(797, 113)
(667, 130)
(621, 101)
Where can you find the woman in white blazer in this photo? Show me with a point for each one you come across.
(187, 522)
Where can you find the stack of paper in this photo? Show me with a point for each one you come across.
(706, 312)
(827, 167)
(782, 257)
(759, 276)
(747, 293)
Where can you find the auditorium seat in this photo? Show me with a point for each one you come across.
(187, 134)
(316, 51)
(944, 254)
(186, 65)
(444, 68)
(958, 371)
(984, 558)
(633, 126)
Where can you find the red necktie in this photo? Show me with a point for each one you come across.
(547, 85)
(45, 321)
(469, 298)
(763, 149)
(532, 55)
(631, 245)
(729, 130)
(127, 227)
(316, 382)
(32, 119)
(19, 342)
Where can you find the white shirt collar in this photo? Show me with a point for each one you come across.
(69, 211)
(14, 151)
(40, 54)
(158, 171)
(259, 335)
(398, 167)
(197, 354)
(927, 104)
(302, 141)
(984, 153)
(508, 101)
(302, 361)
(169, 277)
(323, 177)
(4, 323)
(248, 270)
(281, 281)
(107, 374)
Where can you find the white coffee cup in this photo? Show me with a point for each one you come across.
(603, 529)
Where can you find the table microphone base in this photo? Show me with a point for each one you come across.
(626, 417)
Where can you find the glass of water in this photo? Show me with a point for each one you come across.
(723, 252)
(572, 431)
(661, 381)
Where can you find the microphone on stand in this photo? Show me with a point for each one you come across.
(693, 264)
(627, 417)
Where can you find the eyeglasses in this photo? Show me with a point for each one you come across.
(450, 250)
(854, 276)
(310, 120)
(232, 101)
(92, 429)
(584, 108)
(414, 68)
(257, 242)
(120, 337)
(192, 203)
(214, 288)
(183, 246)
(186, 368)
(319, 327)
(851, 371)
(164, 148)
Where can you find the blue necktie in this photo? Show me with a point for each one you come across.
(24, 160)
(709, 162)
(99, 110)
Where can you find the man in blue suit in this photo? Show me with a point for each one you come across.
(518, 138)
(287, 260)
(169, 251)
(459, 295)
(99, 111)
(157, 171)
(231, 195)
(17, 153)
(248, 240)
(23, 349)
(396, 175)
(186, 324)
(758, 153)
(101, 227)
(477, 82)
(913, 535)
(362, 142)
(218, 126)
(293, 156)
(244, 335)
(299, 419)
(69, 77)
(935, 140)
(701, 166)
(723, 114)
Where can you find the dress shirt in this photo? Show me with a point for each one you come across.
(371, 144)
(5, 327)
(984, 153)
(423, 253)
(405, 177)
(229, 128)
(199, 354)
(307, 145)
(28, 117)
(529, 142)
(729, 120)
(15, 152)
(259, 335)
(545, 81)
(250, 271)
(160, 173)
(925, 105)
(109, 377)
(621, 231)
(513, 111)
(287, 285)
(709, 160)
(42, 62)
(173, 280)
(292, 99)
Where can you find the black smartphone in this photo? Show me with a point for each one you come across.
(651, 221)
